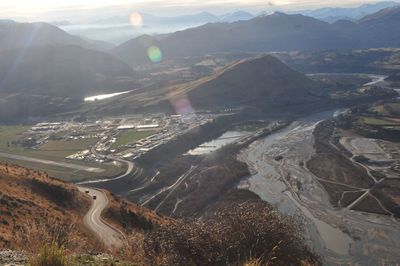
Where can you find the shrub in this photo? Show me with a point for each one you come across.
(50, 255)
(254, 262)
(229, 237)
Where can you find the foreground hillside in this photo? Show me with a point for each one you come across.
(36, 208)
(33, 205)
(38, 211)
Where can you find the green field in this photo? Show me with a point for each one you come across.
(131, 137)
(9, 134)
(68, 174)
(379, 121)
(53, 151)
(64, 148)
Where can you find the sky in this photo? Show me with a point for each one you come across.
(57, 10)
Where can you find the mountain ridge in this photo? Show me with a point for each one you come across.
(332, 14)
(21, 35)
(269, 33)
(42, 80)
(261, 82)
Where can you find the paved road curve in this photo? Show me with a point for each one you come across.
(54, 163)
(131, 167)
(129, 170)
(110, 236)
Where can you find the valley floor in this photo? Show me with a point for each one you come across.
(339, 235)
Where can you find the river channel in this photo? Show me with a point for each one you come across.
(339, 236)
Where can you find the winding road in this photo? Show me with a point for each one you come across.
(110, 236)
(129, 170)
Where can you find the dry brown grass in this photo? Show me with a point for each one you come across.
(129, 217)
(133, 250)
(229, 237)
(261, 262)
(50, 255)
(32, 237)
(37, 209)
(253, 262)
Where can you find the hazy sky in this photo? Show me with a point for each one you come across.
(34, 10)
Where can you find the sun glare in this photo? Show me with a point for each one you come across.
(136, 19)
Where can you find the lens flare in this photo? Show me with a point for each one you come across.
(136, 19)
(182, 106)
(154, 54)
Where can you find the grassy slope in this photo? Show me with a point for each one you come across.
(32, 203)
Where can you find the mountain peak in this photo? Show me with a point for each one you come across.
(387, 14)
(258, 81)
(279, 13)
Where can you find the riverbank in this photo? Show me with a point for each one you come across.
(338, 235)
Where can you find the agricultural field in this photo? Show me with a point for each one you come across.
(131, 137)
(52, 151)
(378, 121)
(8, 134)
(64, 148)
(67, 174)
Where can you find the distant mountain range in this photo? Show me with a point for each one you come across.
(59, 70)
(19, 35)
(198, 18)
(331, 14)
(49, 79)
(276, 32)
(44, 70)
(118, 29)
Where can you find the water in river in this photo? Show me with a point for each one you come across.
(104, 96)
(211, 146)
(398, 91)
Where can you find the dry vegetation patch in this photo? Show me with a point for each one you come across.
(230, 236)
(35, 209)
